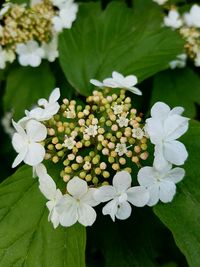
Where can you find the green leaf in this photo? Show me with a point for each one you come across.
(117, 38)
(182, 215)
(26, 236)
(178, 88)
(25, 85)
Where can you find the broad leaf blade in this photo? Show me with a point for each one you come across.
(182, 216)
(24, 86)
(26, 236)
(115, 39)
(178, 88)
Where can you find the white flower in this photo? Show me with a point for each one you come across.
(91, 130)
(179, 62)
(121, 149)
(30, 54)
(164, 128)
(120, 194)
(137, 133)
(160, 184)
(47, 108)
(173, 20)
(78, 205)
(27, 143)
(66, 15)
(51, 49)
(118, 109)
(192, 19)
(48, 188)
(69, 142)
(123, 121)
(39, 170)
(119, 81)
(160, 2)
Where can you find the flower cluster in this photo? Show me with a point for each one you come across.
(99, 147)
(188, 25)
(31, 32)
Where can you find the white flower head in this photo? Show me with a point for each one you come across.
(48, 188)
(47, 108)
(192, 19)
(160, 184)
(123, 121)
(26, 142)
(51, 49)
(77, 205)
(119, 81)
(160, 2)
(164, 128)
(120, 194)
(30, 54)
(118, 109)
(91, 130)
(138, 133)
(6, 56)
(66, 16)
(121, 149)
(179, 62)
(173, 20)
(69, 142)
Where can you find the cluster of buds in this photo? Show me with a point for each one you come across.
(94, 140)
(188, 25)
(100, 147)
(31, 31)
(22, 24)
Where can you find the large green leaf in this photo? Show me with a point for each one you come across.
(25, 85)
(118, 38)
(182, 216)
(178, 87)
(26, 237)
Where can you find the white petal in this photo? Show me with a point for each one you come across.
(118, 77)
(86, 214)
(175, 152)
(105, 193)
(134, 90)
(19, 128)
(97, 83)
(47, 186)
(175, 126)
(88, 198)
(23, 60)
(154, 195)
(177, 111)
(160, 110)
(20, 157)
(123, 211)
(34, 60)
(154, 128)
(67, 208)
(77, 187)
(160, 160)
(54, 96)
(18, 142)
(167, 191)
(35, 154)
(122, 181)
(146, 176)
(39, 170)
(109, 82)
(175, 175)
(138, 196)
(36, 131)
(131, 80)
(111, 208)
